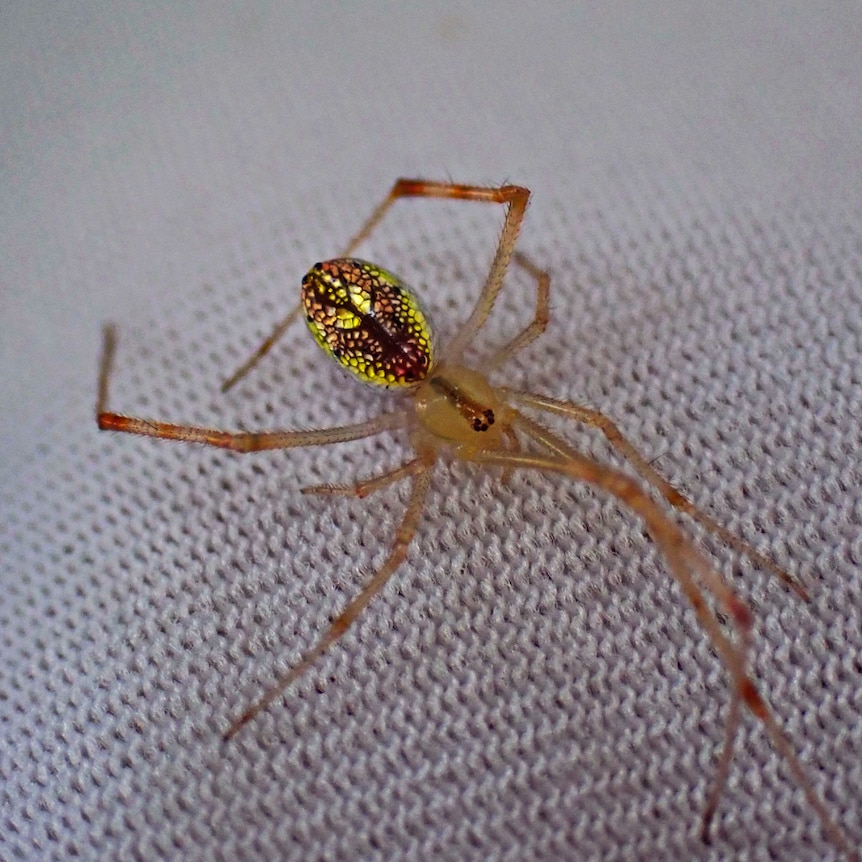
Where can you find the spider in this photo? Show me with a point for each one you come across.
(371, 323)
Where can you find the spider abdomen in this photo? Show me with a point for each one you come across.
(369, 321)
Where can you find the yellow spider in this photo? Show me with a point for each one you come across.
(369, 321)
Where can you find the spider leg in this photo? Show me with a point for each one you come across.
(537, 325)
(239, 441)
(722, 767)
(261, 351)
(347, 617)
(684, 561)
(365, 487)
(281, 327)
(679, 501)
(514, 197)
(510, 444)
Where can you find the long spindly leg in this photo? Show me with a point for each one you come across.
(264, 348)
(368, 486)
(722, 767)
(514, 197)
(595, 419)
(685, 563)
(282, 326)
(347, 617)
(239, 441)
(536, 326)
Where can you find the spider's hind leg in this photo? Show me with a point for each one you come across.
(261, 351)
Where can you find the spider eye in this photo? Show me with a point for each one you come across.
(483, 422)
(369, 321)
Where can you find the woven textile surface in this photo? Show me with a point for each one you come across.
(531, 684)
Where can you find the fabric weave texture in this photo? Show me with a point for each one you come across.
(531, 684)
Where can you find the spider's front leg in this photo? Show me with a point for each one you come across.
(598, 420)
(539, 323)
(515, 197)
(688, 566)
(280, 328)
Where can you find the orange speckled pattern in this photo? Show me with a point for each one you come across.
(369, 321)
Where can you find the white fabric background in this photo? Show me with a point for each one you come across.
(531, 685)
